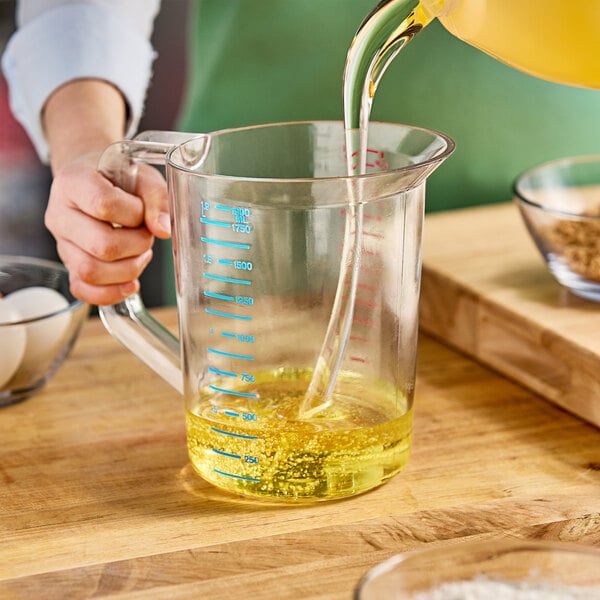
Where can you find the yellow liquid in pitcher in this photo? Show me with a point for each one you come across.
(256, 448)
(551, 39)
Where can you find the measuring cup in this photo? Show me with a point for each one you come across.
(258, 219)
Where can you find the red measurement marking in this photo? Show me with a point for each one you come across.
(356, 338)
(358, 359)
(367, 269)
(367, 234)
(364, 286)
(379, 162)
(373, 235)
(367, 304)
(362, 321)
(359, 302)
(365, 216)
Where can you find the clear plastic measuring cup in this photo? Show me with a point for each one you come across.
(258, 218)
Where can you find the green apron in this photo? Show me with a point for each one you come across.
(260, 61)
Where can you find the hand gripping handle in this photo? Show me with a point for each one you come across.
(128, 321)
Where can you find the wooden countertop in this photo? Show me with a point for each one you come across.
(97, 498)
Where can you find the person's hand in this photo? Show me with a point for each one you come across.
(104, 261)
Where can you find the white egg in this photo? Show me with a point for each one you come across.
(12, 342)
(44, 336)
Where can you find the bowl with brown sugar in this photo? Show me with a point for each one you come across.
(560, 205)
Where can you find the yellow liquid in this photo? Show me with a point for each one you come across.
(256, 447)
(555, 40)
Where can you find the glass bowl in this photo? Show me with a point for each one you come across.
(39, 323)
(491, 570)
(560, 204)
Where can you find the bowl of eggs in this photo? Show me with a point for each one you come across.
(39, 323)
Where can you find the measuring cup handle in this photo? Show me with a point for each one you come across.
(129, 322)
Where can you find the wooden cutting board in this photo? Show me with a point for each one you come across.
(487, 292)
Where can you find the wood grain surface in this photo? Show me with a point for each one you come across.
(487, 292)
(97, 499)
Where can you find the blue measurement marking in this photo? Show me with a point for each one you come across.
(219, 372)
(227, 279)
(226, 453)
(236, 476)
(239, 435)
(219, 296)
(228, 244)
(233, 392)
(215, 222)
(231, 413)
(230, 354)
(224, 261)
(218, 313)
(223, 207)
(227, 334)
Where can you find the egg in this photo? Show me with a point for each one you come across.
(12, 342)
(44, 337)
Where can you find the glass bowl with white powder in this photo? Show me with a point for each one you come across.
(489, 570)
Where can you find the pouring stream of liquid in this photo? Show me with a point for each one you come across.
(383, 33)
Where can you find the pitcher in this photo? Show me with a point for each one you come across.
(551, 39)
(258, 218)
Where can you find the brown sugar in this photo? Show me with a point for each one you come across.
(578, 244)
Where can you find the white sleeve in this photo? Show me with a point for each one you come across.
(61, 40)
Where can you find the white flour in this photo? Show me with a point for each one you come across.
(485, 589)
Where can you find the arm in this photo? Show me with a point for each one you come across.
(59, 65)
(95, 104)
(59, 41)
(80, 119)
